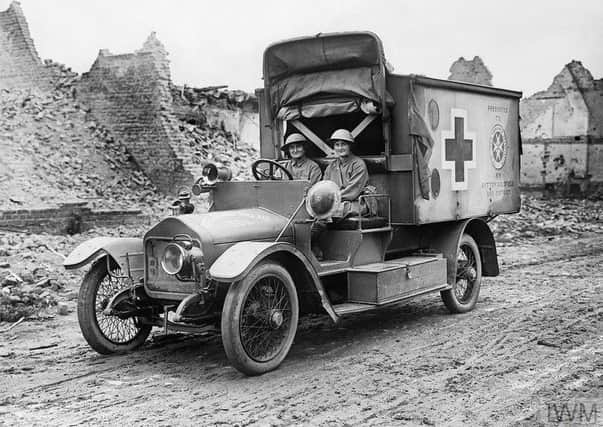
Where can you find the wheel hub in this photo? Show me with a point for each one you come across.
(276, 318)
(471, 274)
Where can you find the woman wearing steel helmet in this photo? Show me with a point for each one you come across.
(298, 164)
(349, 172)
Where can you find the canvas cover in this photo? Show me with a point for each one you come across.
(324, 75)
(321, 53)
(345, 88)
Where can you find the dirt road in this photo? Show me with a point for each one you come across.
(534, 338)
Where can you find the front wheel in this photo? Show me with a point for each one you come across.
(465, 291)
(105, 333)
(259, 319)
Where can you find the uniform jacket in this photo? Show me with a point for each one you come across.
(303, 169)
(351, 175)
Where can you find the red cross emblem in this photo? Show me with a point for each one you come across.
(458, 150)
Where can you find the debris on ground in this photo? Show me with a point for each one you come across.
(20, 298)
(35, 283)
(548, 217)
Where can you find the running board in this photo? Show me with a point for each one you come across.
(353, 307)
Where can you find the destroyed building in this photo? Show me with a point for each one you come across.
(473, 71)
(20, 65)
(133, 95)
(562, 131)
(67, 127)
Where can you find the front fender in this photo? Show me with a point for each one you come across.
(115, 247)
(238, 260)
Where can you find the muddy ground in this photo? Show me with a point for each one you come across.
(534, 339)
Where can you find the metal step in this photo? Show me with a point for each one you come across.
(347, 308)
(352, 307)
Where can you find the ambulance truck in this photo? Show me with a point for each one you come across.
(443, 159)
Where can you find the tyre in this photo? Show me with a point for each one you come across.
(259, 319)
(465, 291)
(106, 334)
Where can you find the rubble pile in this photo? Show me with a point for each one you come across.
(62, 78)
(52, 152)
(542, 217)
(33, 281)
(219, 146)
(218, 96)
(212, 142)
(26, 299)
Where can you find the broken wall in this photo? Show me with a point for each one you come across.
(20, 65)
(470, 71)
(130, 95)
(562, 129)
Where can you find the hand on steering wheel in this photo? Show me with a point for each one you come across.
(265, 169)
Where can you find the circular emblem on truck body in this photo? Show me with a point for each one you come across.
(499, 146)
(434, 114)
(435, 183)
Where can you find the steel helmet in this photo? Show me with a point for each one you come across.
(342, 135)
(323, 199)
(294, 138)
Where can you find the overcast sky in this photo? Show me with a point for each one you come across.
(523, 43)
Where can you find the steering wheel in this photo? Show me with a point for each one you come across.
(268, 171)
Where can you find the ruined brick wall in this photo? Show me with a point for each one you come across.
(562, 129)
(130, 95)
(473, 71)
(68, 218)
(20, 65)
(559, 111)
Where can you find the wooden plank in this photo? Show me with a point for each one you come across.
(315, 139)
(363, 124)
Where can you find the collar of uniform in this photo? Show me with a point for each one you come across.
(298, 162)
(345, 160)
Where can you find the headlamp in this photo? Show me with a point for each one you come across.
(172, 259)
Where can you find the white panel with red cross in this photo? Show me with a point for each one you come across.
(474, 164)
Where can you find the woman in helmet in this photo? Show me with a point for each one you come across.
(349, 172)
(298, 164)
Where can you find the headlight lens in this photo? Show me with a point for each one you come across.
(173, 258)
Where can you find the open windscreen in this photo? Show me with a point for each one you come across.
(324, 75)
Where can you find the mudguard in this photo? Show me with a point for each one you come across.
(448, 235)
(115, 247)
(238, 260)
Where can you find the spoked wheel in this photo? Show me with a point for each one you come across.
(259, 319)
(465, 291)
(106, 333)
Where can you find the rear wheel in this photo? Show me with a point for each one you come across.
(106, 334)
(259, 319)
(465, 291)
